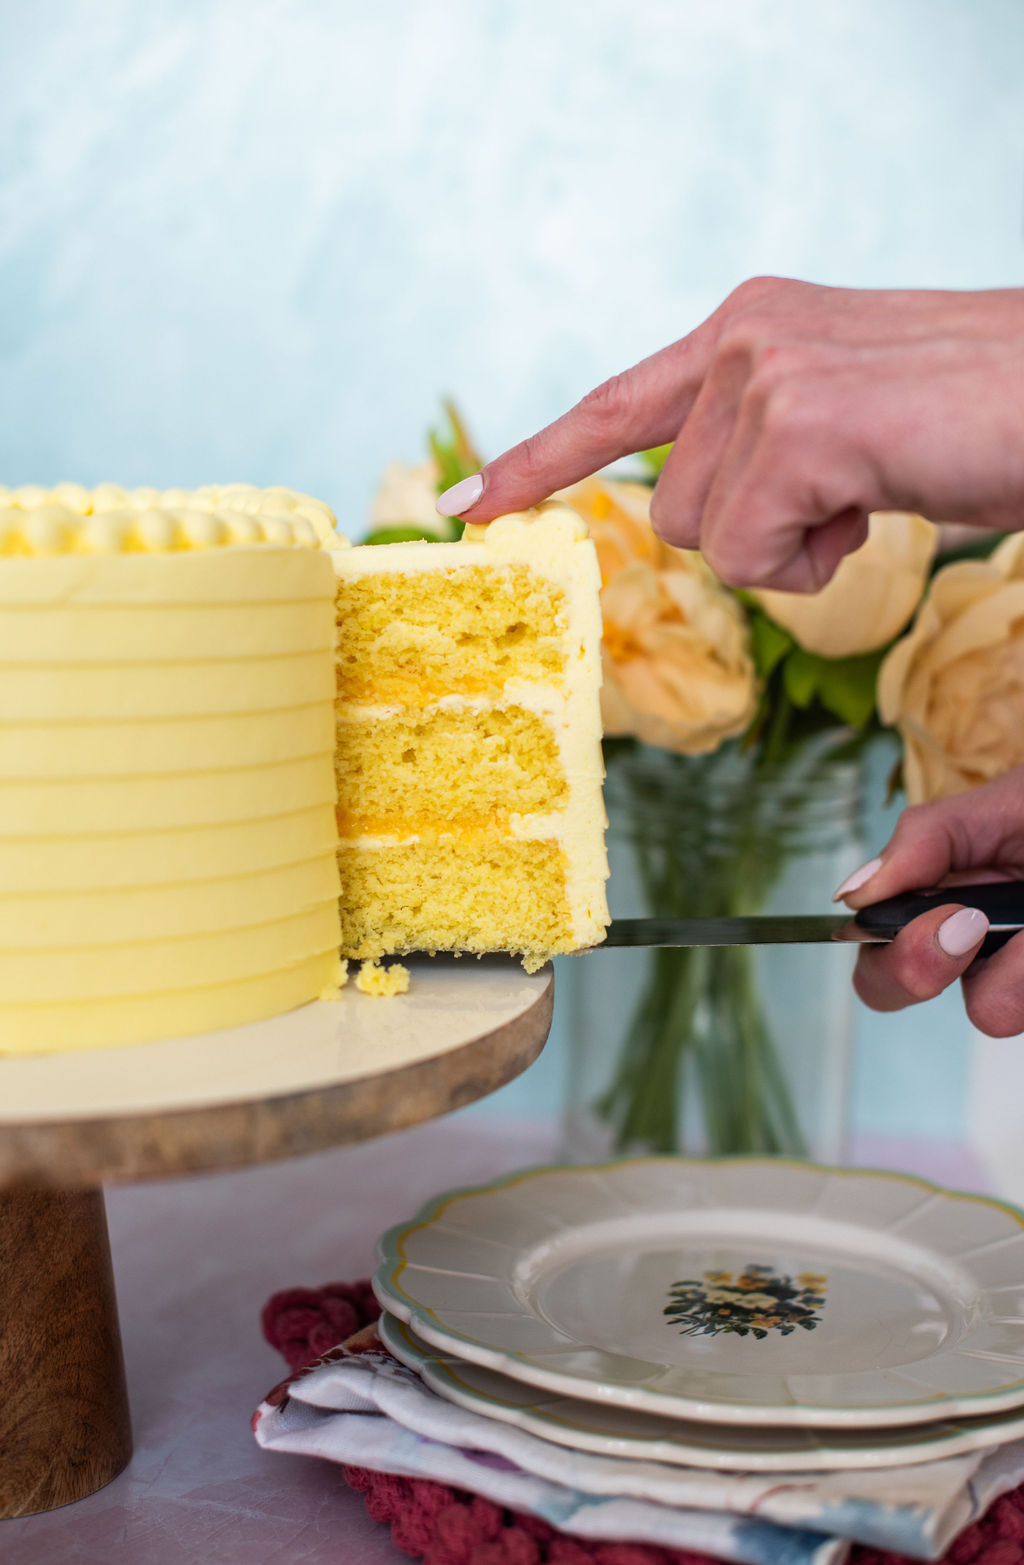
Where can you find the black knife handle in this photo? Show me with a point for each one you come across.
(1002, 901)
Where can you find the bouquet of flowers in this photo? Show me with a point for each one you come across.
(735, 725)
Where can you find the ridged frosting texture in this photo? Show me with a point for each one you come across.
(167, 834)
(69, 519)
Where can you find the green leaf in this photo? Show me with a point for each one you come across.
(406, 534)
(654, 460)
(847, 686)
(769, 644)
(452, 449)
(800, 677)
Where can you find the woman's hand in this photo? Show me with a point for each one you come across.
(978, 835)
(797, 410)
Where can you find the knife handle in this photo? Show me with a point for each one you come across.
(1002, 901)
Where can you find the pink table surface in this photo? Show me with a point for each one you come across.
(195, 1261)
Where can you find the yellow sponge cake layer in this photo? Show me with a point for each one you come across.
(410, 771)
(451, 896)
(450, 627)
(468, 756)
(167, 834)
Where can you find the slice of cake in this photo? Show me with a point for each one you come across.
(468, 753)
(167, 833)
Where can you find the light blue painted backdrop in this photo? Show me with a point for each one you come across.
(257, 239)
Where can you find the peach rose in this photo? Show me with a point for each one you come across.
(676, 657)
(872, 595)
(954, 685)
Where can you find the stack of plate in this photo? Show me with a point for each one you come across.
(748, 1314)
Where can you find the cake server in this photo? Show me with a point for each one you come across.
(1001, 901)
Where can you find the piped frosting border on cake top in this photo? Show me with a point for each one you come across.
(70, 519)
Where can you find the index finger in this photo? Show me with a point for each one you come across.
(976, 834)
(642, 407)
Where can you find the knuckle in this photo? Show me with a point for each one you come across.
(744, 337)
(529, 458)
(780, 404)
(754, 289)
(608, 407)
(936, 828)
(915, 822)
(776, 364)
(770, 375)
(732, 565)
(668, 524)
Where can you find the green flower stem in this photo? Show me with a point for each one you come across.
(710, 836)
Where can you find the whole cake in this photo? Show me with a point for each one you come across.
(201, 692)
(167, 834)
(468, 752)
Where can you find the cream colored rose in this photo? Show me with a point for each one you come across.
(675, 653)
(872, 595)
(406, 498)
(954, 685)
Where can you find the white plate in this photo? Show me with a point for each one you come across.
(743, 1291)
(621, 1432)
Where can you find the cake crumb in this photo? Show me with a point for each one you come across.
(377, 980)
(332, 989)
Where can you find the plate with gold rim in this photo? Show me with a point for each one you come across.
(625, 1433)
(747, 1291)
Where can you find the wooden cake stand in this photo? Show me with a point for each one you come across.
(319, 1076)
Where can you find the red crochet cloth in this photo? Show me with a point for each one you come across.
(444, 1526)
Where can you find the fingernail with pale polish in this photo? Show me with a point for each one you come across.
(857, 879)
(962, 931)
(461, 496)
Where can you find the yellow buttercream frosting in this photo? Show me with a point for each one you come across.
(167, 834)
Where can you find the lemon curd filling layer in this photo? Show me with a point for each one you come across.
(167, 828)
(468, 742)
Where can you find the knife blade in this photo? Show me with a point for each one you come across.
(1001, 901)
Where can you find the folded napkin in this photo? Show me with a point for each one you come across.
(368, 1412)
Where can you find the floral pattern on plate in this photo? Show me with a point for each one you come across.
(753, 1304)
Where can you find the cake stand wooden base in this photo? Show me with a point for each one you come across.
(64, 1422)
(317, 1077)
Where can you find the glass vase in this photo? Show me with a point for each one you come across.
(718, 1050)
